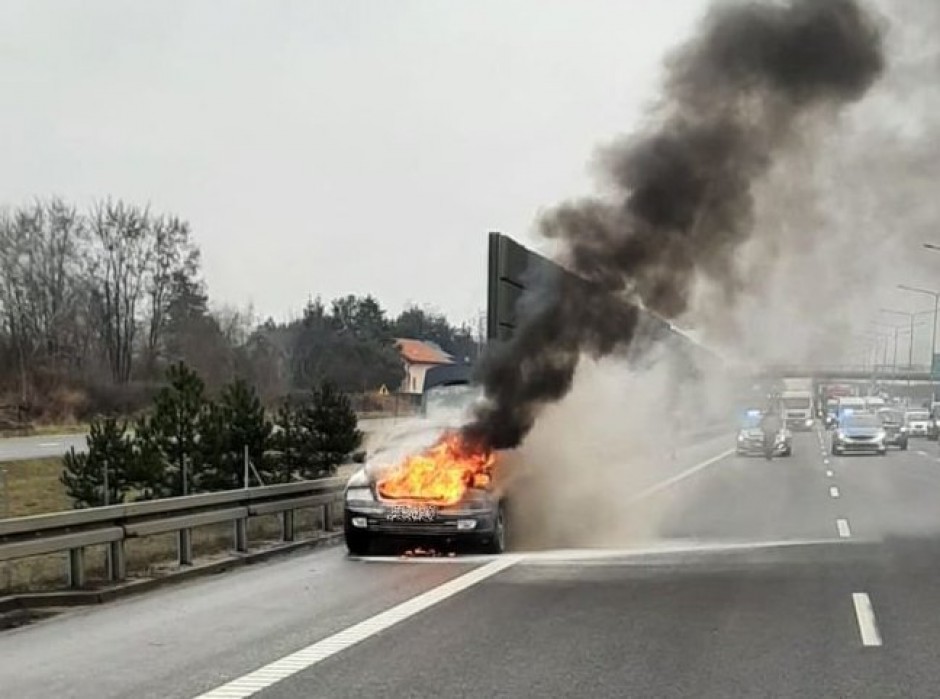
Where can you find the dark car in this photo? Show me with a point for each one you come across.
(479, 518)
(859, 433)
(895, 427)
(750, 441)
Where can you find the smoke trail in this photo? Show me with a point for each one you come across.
(734, 96)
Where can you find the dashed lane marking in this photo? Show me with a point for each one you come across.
(865, 614)
(833, 492)
(921, 453)
(829, 474)
(264, 677)
(842, 525)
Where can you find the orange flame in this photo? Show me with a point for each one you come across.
(441, 474)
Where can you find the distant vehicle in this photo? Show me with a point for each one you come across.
(849, 405)
(933, 429)
(859, 432)
(875, 403)
(918, 423)
(797, 400)
(895, 426)
(750, 441)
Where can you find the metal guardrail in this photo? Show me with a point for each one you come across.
(114, 525)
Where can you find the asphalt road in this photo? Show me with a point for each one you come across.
(764, 582)
(44, 446)
(40, 447)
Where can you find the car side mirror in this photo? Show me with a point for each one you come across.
(359, 457)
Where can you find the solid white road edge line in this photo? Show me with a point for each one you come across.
(867, 626)
(264, 677)
(669, 482)
(833, 492)
(843, 526)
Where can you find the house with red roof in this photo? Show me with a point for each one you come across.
(418, 356)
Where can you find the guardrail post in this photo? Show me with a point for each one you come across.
(186, 547)
(117, 563)
(77, 568)
(328, 524)
(287, 525)
(241, 535)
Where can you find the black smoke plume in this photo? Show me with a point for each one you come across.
(734, 96)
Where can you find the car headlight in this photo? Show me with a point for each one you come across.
(840, 435)
(360, 494)
(903, 429)
(880, 436)
(809, 422)
(740, 437)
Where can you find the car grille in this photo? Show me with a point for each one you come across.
(860, 439)
(412, 528)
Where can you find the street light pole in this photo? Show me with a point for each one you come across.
(933, 340)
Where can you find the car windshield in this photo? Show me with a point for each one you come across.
(891, 416)
(862, 421)
(450, 400)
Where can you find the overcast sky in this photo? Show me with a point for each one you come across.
(332, 146)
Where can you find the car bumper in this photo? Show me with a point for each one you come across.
(757, 448)
(452, 525)
(860, 447)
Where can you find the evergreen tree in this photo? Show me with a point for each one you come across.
(110, 448)
(333, 425)
(174, 427)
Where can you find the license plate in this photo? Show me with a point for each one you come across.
(411, 513)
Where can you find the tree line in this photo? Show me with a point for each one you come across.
(97, 303)
(188, 443)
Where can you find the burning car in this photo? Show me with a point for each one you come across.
(427, 483)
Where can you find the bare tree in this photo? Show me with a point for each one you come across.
(122, 256)
(173, 254)
(41, 269)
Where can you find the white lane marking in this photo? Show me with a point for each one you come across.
(669, 482)
(843, 526)
(865, 614)
(922, 453)
(50, 444)
(829, 474)
(264, 677)
(826, 462)
(833, 492)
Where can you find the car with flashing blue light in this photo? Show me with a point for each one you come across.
(750, 439)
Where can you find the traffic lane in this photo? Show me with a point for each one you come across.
(784, 627)
(184, 639)
(40, 447)
(891, 495)
(748, 498)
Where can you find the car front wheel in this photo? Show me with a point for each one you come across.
(497, 542)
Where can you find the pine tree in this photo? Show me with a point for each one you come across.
(110, 449)
(174, 427)
(333, 424)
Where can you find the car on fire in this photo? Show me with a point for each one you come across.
(750, 440)
(859, 433)
(478, 516)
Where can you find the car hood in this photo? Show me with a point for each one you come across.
(861, 431)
